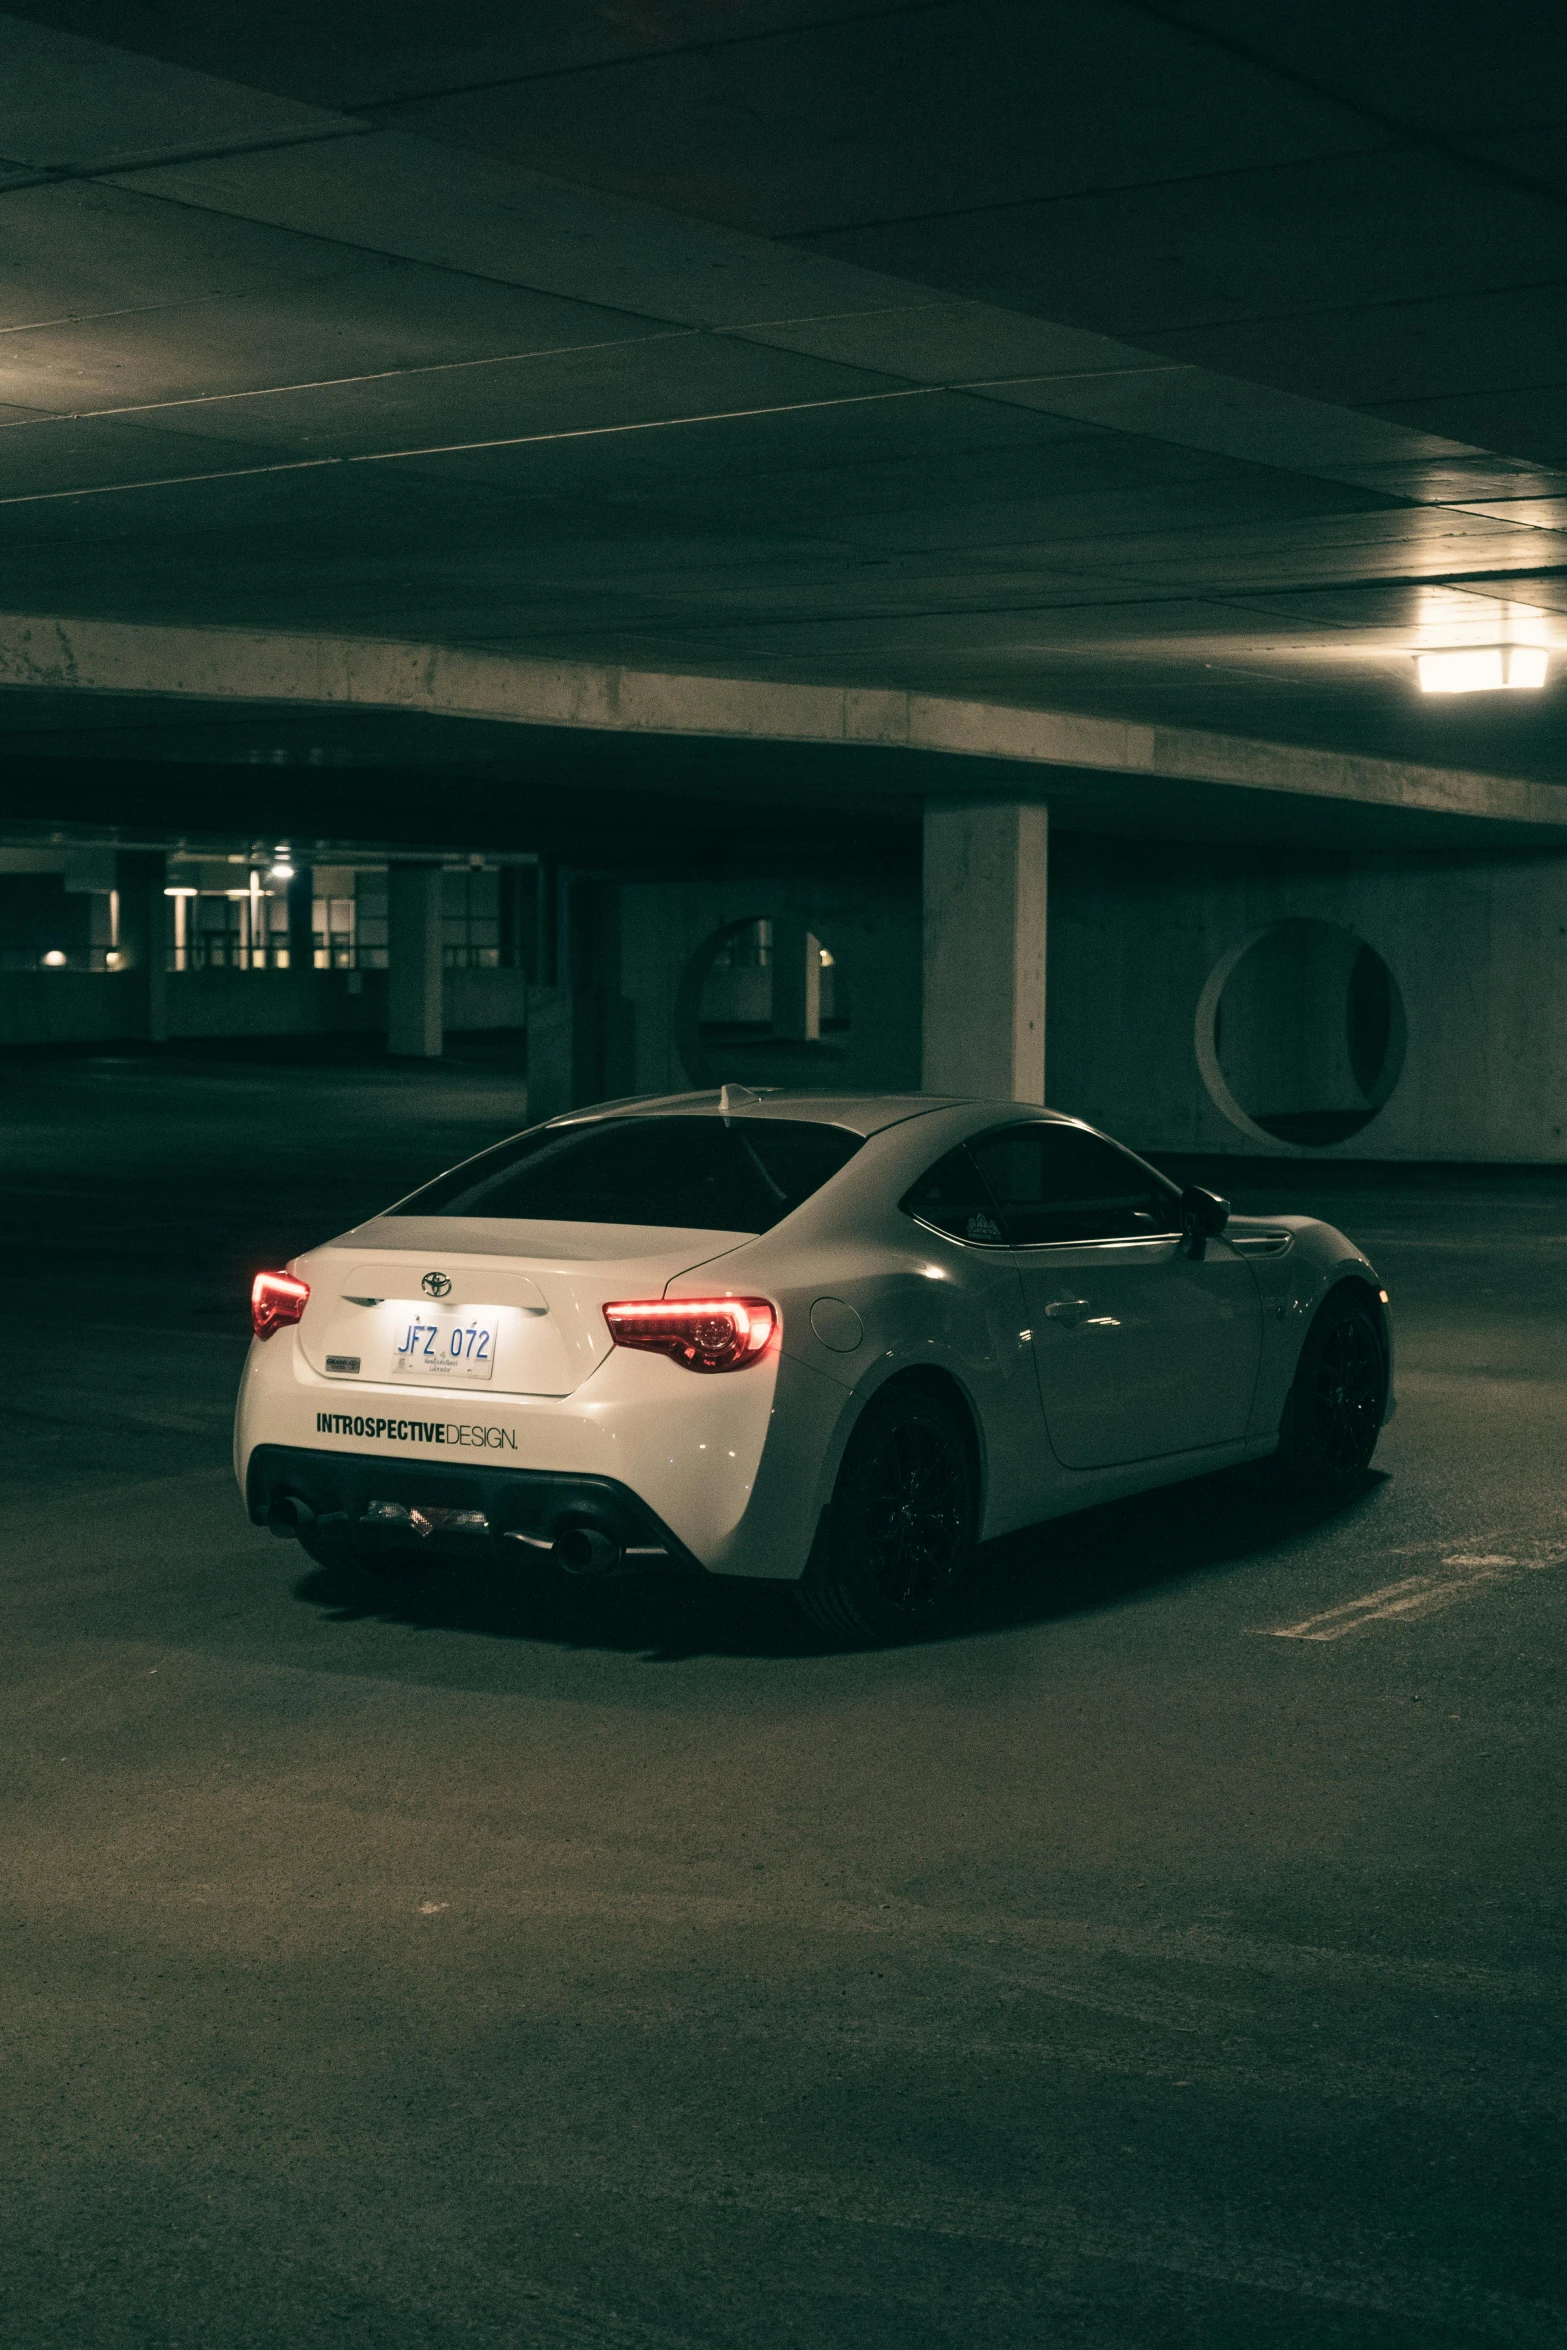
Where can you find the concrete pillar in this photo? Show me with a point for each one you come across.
(545, 969)
(985, 906)
(302, 920)
(140, 876)
(582, 1031)
(413, 958)
(797, 981)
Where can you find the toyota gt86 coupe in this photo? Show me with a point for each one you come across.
(836, 1341)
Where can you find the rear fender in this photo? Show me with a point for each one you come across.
(905, 1366)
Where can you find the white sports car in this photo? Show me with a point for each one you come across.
(837, 1341)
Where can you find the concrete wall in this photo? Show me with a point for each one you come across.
(275, 1003)
(80, 1007)
(67, 1007)
(484, 999)
(1478, 951)
(869, 923)
(1271, 1046)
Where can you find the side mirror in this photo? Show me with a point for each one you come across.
(1203, 1217)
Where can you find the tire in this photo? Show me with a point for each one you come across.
(898, 1536)
(1334, 1414)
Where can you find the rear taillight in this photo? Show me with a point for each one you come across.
(706, 1334)
(276, 1298)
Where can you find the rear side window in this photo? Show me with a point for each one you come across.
(955, 1198)
(1056, 1183)
(701, 1174)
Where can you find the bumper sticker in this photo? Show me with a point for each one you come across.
(471, 1433)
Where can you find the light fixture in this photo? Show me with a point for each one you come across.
(180, 890)
(55, 959)
(282, 866)
(1481, 669)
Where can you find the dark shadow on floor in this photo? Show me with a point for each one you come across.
(1107, 1557)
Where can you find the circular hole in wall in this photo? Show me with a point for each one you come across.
(1300, 1033)
(763, 1002)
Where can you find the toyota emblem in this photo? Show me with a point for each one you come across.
(436, 1285)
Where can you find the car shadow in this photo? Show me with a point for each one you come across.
(1106, 1557)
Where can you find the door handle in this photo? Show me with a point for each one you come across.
(1066, 1309)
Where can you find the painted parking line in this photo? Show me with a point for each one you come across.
(1462, 1574)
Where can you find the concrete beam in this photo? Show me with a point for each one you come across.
(58, 654)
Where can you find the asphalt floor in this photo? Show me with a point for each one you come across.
(1169, 1957)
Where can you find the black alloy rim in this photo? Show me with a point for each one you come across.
(1349, 1393)
(915, 1523)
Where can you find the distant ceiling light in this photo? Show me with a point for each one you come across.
(1481, 669)
(113, 959)
(54, 959)
(180, 890)
(280, 872)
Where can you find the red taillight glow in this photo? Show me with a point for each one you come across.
(276, 1298)
(705, 1334)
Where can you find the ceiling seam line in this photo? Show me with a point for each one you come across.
(116, 178)
(981, 388)
(649, 56)
(518, 440)
(1083, 195)
(1347, 309)
(72, 174)
(334, 383)
(38, 326)
(1206, 35)
(1491, 392)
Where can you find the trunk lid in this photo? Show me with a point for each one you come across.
(474, 1306)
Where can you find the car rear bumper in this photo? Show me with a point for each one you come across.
(587, 1524)
(731, 1468)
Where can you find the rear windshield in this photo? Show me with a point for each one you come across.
(706, 1174)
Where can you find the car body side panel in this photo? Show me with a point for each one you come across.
(1293, 1281)
(1142, 1348)
(921, 1303)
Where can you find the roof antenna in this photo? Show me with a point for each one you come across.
(735, 1097)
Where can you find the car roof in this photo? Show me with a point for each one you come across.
(860, 1113)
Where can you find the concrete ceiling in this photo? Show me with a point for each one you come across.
(1180, 363)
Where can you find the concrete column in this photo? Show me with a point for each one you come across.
(985, 907)
(797, 981)
(413, 958)
(582, 1032)
(140, 876)
(545, 969)
(302, 920)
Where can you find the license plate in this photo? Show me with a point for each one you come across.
(430, 1345)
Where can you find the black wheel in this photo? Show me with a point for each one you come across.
(1334, 1414)
(900, 1531)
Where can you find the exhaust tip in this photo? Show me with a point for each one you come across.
(586, 1550)
(286, 1513)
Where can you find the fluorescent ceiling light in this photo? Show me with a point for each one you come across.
(1481, 669)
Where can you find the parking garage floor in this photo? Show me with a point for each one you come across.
(1170, 1957)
